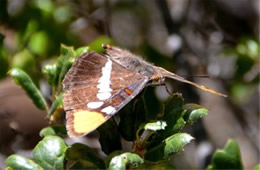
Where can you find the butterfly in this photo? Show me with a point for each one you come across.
(97, 86)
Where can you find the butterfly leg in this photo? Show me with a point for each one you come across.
(168, 91)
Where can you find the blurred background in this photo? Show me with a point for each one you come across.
(217, 38)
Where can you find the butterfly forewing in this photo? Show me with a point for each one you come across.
(86, 67)
(91, 96)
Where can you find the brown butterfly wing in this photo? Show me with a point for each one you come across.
(83, 82)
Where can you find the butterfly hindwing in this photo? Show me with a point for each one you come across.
(82, 121)
(124, 96)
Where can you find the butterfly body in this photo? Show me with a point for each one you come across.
(99, 86)
(133, 62)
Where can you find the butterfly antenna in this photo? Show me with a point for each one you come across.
(170, 75)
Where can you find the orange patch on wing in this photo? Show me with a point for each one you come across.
(85, 121)
(116, 101)
(129, 92)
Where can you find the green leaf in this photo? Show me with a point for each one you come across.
(56, 104)
(194, 112)
(25, 61)
(257, 167)
(111, 156)
(109, 137)
(49, 72)
(241, 92)
(47, 7)
(154, 126)
(53, 130)
(173, 113)
(83, 157)
(168, 147)
(97, 44)
(50, 152)
(120, 161)
(228, 158)
(162, 165)
(31, 28)
(81, 51)
(4, 57)
(63, 64)
(47, 132)
(38, 43)
(22, 163)
(22, 79)
(62, 14)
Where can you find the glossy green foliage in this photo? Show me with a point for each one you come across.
(19, 162)
(246, 75)
(83, 157)
(158, 125)
(53, 130)
(54, 74)
(120, 161)
(194, 112)
(50, 152)
(228, 158)
(49, 71)
(173, 115)
(63, 65)
(168, 147)
(56, 104)
(81, 51)
(22, 79)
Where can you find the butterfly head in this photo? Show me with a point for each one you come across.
(116, 53)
